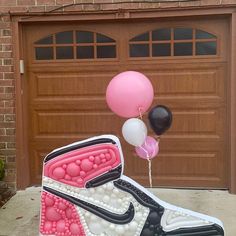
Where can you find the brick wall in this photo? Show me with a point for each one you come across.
(7, 94)
(7, 104)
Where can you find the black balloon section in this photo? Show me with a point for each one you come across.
(160, 118)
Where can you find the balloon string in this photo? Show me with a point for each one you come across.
(149, 167)
(140, 113)
(150, 172)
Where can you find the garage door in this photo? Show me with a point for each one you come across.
(70, 65)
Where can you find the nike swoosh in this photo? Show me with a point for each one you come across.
(124, 218)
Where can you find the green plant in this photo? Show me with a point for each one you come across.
(2, 169)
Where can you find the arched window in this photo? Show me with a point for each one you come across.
(75, 45)
(173, 42)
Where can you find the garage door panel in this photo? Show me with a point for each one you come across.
(171, 82)
(190, 102)
(186, 167)
(80, 67)
(190, 81)
(85, 104)
(181, 161)
(196, 122)
(185, 83)
(189, 159)
(199, 123)
(67, 85)
(192, 165)
(72, 122)
(195, 164)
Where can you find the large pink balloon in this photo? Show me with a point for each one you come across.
(128, 93)
(149, 149)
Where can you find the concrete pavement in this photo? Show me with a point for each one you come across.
(20, 216)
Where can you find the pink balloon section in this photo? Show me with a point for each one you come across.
(76, 168)
(59, 217)
(128, 94)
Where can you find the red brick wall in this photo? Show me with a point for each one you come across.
(7, 104)
(7, 89)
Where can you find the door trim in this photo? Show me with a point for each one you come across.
(22, 160)
(232, 100)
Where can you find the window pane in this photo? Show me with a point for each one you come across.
(64, 53)
(161, 34)
(106, 51)
(84, 37)
(183, 49)
(183, 33)
(139, 50)
(161, 49)
(104, 39)
(206, 48)
(200, 34)
(141, 37)
(84, 52)
(47, 40)
(64, 37)
(45, 53)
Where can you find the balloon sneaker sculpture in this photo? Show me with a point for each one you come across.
(84, 192)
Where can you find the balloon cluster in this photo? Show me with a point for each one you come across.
(130, 94)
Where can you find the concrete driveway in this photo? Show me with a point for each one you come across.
(20, 216)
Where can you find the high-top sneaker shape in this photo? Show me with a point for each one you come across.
(86, 194)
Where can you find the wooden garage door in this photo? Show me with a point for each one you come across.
(70, 65)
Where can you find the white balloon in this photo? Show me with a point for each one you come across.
(134, 131)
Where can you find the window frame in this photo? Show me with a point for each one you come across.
(74, 45)
(172, 41)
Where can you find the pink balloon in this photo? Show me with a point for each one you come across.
(149, 149)
(128, 93)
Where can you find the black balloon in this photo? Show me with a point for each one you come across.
(160, 118)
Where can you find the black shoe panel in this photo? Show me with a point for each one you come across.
(152, 226)
(208, 230)
(139, 195)
(105, 178)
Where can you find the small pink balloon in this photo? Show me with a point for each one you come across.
(52, 214)
(149, 149)
(129, 93)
